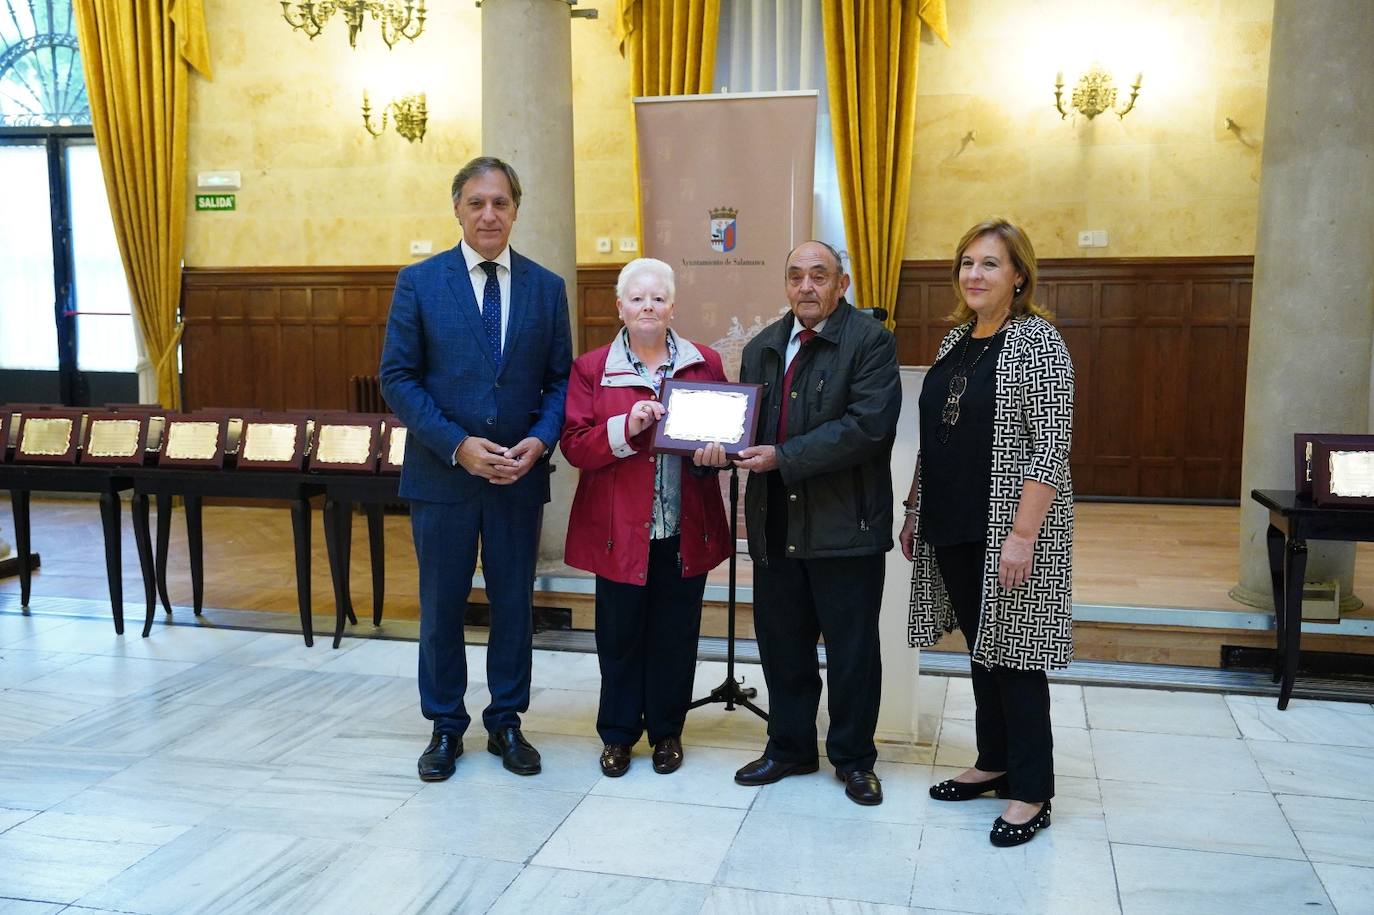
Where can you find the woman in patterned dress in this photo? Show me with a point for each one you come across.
(989, 520)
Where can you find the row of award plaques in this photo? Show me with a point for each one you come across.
(1334, 469)
(246, 440)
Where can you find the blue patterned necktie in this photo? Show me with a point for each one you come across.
(491, 309)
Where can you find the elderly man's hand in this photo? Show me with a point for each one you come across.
(758, 458)
(484, 458)
(712, 455)
(525, 454)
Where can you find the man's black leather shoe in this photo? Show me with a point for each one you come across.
(436, 763)
(862, 787)
(515, 751)
(765, 771)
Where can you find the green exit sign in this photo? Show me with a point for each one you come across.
(215, 202)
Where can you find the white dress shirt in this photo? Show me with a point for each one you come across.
(794, 341)
(479, 282)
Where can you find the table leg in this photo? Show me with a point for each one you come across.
(109, 518)
(1295, 567)
(19, 504)
(164, 539)
(139, 510)
(377, 548)
(300, 530)
(339, 521)
(1274, 539)
(195, 545)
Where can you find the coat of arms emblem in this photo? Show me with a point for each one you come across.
(723, 229)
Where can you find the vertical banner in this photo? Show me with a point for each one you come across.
(725, 193)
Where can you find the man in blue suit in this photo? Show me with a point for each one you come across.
(476, 364)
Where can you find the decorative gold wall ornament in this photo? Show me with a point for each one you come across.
(409, 113)
(397, 18)
(1094, 94)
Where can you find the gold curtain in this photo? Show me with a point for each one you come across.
(871, 49)
(672, 44)
(136, 55)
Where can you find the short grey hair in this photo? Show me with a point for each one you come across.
(650, 266)
(480, 166)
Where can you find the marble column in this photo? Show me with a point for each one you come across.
(1312, 319)
(899, 714)
(527, 121)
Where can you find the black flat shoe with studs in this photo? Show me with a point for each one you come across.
(1005, 835)
(966, 791)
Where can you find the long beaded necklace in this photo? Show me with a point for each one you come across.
(958, 382)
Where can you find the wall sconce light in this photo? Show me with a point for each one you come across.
(1094, 94)
(409, 113)
(398, 18)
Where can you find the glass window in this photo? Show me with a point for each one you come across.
(41, 82)
(104, 324)
(28, 329)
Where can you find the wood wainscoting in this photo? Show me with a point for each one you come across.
(1159, 348)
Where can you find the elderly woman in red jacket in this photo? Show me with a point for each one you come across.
(649, 525)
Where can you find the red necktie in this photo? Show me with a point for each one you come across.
(787, 395)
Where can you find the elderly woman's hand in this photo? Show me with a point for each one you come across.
(1014, 565)
(712, 455)
(643, 415)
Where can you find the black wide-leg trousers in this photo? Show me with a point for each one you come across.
(1012, 717)
(646, 641)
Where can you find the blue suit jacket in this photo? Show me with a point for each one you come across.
(441, 379)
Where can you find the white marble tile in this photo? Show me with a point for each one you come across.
(401, 882)
(1169, 759)
(357, 696)
(551, 891)
(164, 790)
(138, 726)
(707, 778)
(10, 818)
(1179, 816)
(36, 778)
(47, 869)
(626, 836)
(216, 683)
(1169, 881)
(1066, 702)
(558, 711)
(729, 900)
(208, 869)
(959, 869)
(1073, 748)
(281, 649)
(930, 708)
(114, 677)
(575, 670)
(252, 735)
(1342, 724)
(28, 907)
(17, 667)
(99, 827)
(479, 820)
(1351, 889)
(959, 703)
(905, 794)
(378, 657)
(320, 804)
(1158, 711)
(1316, 769)
(25, 714)
(814, 856)
(1332, 830)
(16, 627)
(54, 633)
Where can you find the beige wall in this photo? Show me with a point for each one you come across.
(285, 111)
(1167, 181)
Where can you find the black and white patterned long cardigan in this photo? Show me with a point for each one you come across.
(1029, 627)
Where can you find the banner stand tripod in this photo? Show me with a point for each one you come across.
(730, 691)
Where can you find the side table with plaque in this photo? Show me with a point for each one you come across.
(1293, 520)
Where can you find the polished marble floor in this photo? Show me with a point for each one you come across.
(213, 770)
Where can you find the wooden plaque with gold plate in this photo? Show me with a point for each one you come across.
(393, 446)
(346, 444)
(116, 439)
(48, 437)
(193, 440)
(272, 441)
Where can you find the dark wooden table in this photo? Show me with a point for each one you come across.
(341, 493)
(1294, 520)
(22, 480)
(193, 485)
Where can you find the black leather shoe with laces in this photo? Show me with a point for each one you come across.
(436, 763)
(516, 753)
(862, 787)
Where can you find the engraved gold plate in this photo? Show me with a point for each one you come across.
(192, 441)
(269, 442)
(1352, 473)
(115, 438)
(396, 456)
(48, 435)
(340, 444)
